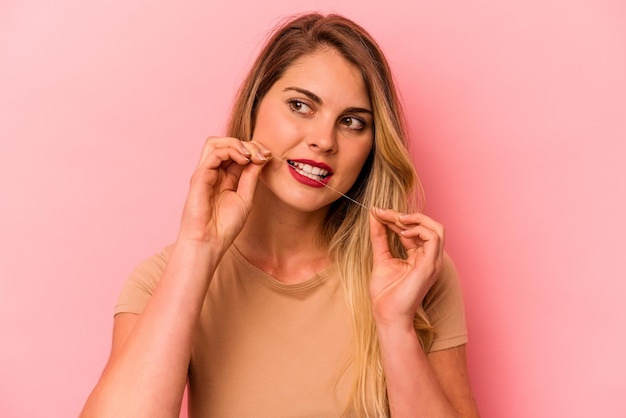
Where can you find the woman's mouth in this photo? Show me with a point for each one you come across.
(308, 170)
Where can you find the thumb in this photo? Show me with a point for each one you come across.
(248, 180)
(378, 236)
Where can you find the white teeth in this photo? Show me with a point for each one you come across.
(315, 173)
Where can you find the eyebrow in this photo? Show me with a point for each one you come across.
(318, 100)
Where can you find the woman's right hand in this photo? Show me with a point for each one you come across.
(222, 190)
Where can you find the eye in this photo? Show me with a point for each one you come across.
(353, 123)
(299, 106)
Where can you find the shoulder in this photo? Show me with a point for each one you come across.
(445, 309)
(150, 270)
(447, 282)
(141, 282)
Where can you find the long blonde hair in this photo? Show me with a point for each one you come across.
(387, 180)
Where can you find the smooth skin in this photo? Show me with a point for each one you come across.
(437, 384)
(318, 111)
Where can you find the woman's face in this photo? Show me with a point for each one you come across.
(317, 118)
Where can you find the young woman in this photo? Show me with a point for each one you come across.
(280, 297)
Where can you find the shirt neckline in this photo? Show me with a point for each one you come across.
(274, 283)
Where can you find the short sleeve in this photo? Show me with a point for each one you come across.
(444, 308)
(141, 282)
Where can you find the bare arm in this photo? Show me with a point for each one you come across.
(417, 384)
(436, 385)
(147, 370)
(450, 368)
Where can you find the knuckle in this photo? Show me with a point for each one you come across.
(210, 141)
(195, 176)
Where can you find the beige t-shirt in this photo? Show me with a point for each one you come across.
(267, 349)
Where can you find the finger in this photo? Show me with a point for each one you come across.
(421, 219)
(389, 217)
(404, 219)
(221, 157)
(416, 231)
(413, 238)
(432, 226)
(378, 237)
(424, 236)
(398, 222)
(223, 166)
(214, 143)
(249, 179)
(259, 153)
(423, 242)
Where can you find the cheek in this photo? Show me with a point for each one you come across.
(359, 158)
(363, 152)
(272, 124)
(261, 124)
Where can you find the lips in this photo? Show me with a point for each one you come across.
(309, 172)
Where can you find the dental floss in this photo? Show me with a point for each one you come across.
(335, 190)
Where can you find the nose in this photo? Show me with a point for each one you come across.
(322, 137)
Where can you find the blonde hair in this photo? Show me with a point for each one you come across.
(387, 180)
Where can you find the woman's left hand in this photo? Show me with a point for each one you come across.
(398, 286)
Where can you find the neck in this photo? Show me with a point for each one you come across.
(282, 241)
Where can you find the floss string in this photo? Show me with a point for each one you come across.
(331, 188)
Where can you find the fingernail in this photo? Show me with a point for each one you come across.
(267, 152)
(260, 156)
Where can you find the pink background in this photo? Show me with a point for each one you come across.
(518, 123)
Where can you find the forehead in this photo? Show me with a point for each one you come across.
(329, 75)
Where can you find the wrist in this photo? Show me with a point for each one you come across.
(393, 336)
(399, 325)
(200, 245)
(204, 255)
